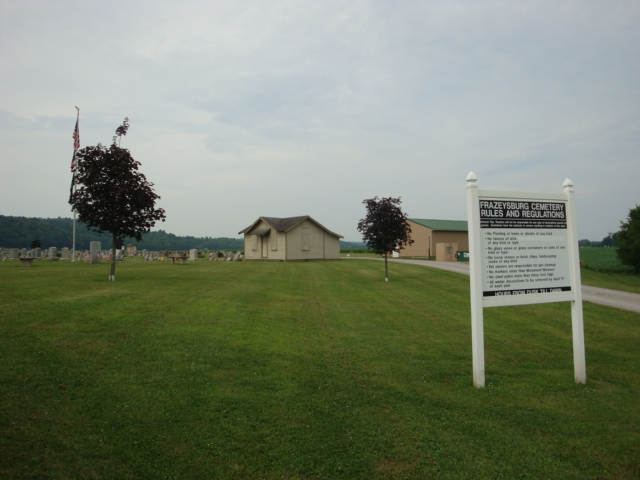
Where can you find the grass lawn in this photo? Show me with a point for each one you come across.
(627, 282)
(320, 370)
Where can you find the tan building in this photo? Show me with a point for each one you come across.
(290, 239)
(439, 238)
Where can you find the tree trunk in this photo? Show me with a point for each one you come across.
(386, 269)
(112, 275)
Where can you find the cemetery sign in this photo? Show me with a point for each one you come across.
(523, 250)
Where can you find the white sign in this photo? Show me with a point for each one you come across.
(523, 249)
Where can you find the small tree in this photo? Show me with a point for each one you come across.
(112, 196)
(36, 244)
(628, 248)
(385, 228)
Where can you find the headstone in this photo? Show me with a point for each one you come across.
(53, 254)
(118, 255)
(24, 252)
(65, 254)
(14, 253)
(37, 252)
(95, 248)
(193, 254)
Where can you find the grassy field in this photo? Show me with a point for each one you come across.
(601, 259)
(250, 370)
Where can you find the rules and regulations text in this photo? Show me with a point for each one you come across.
(524, 247)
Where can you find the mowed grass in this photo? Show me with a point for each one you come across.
(249, 370)
(628, 282)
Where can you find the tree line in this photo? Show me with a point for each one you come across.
(611, 240)
(22, 232)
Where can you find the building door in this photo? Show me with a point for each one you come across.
(265, 246)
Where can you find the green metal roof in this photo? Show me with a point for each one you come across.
(448, 225)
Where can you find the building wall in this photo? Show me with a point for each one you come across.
(272, 246)
(461, 238)
(420, 235)
(252, 245)
(446, 252)
(277, 248)
(331, 247)
(305, 242)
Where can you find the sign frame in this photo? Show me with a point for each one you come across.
(567, 256)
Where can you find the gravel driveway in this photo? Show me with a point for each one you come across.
(603, 296)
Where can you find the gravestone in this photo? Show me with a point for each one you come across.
(65, 254)
(52, 254)
(14, 253)
(118, 255)
(193, 254)
(37, 252)
(95, 248)
(24, 252)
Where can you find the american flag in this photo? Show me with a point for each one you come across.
(76, 145)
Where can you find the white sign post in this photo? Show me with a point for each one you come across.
(523, 249)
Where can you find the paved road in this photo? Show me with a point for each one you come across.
(603, 296)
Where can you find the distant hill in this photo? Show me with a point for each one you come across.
(20, 232)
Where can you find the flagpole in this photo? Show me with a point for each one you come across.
(76, 144)
(73, 245)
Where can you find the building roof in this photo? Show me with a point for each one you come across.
(443, 225)
(282, 225)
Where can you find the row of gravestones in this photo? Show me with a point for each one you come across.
(227, 256)
(94, 254)
(51, 253)
(47, 253)
(215, 255)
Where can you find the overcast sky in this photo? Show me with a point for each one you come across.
(240, 109)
